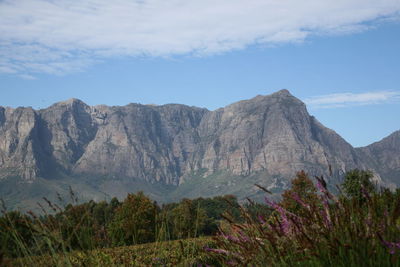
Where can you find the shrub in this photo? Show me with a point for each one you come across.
(356, 181)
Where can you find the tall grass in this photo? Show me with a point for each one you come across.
(333, 231)
(70, 239)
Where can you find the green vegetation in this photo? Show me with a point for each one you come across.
(95, 226)
(317, 230)
(357, 183)
(308, 227)
(188, 252)
(302, 188)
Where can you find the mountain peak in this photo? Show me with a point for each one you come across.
(71, 102)
(283, 92)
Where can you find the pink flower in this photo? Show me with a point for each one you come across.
(297, 198)
(217, 250)
(261, 219)
(231, 238)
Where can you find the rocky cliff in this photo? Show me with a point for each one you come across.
(271, 133)
(384, 157)
(170, 144)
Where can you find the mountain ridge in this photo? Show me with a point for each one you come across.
(268, 137)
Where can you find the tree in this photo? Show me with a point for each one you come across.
(188, 219)
(134, 221)
(357, 183)
(303, 188)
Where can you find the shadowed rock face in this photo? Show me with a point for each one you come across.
(167, 144)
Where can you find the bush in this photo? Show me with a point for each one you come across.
(356, 182)
(134, 221)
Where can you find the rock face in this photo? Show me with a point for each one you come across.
(273, 133)
(167, 144)
(384, 156)
(18, 146)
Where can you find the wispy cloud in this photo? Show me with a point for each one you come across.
(45, 36)
(352, 99)
(27, 77)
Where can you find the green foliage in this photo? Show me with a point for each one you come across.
(302, 188)
(134, 221)
(187, 219)
(256, 210)
(91, 226)
(357, 183)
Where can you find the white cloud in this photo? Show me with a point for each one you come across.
(352, 99)
(27, 77)
(66, 35)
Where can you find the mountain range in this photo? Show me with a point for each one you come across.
(174, 151)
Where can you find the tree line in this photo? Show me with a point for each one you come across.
(135, 220)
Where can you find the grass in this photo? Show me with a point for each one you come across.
(329, 232)
(187, 252)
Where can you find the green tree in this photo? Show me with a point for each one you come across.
(188, 219)
(303, 189)
(357, 183)
(134, 221)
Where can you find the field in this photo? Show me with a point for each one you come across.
(186, 252)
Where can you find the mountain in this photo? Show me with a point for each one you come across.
(384, 157)
(173, 151)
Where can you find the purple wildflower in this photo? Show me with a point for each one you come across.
(297, 198)
(386, 213)
(392, 246)
(327, 219)
(285, 224)
(216, 250)
(271, 203)
(261, 219)
(321, 188)
(231, 263)
(365, 193)
(243, 237)
(231, 238)
(325, 212)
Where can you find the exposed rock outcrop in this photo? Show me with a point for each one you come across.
(167, 144)
(384, 157)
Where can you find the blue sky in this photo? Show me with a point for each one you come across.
(341, 57)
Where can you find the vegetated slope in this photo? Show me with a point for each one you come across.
(169, 151)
